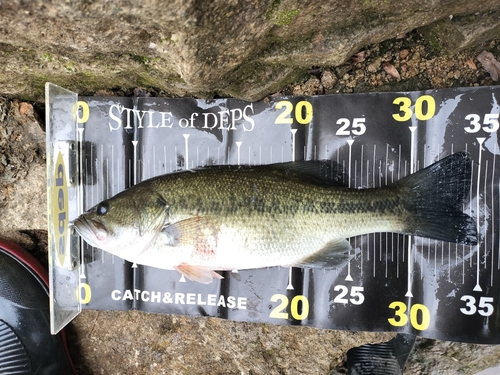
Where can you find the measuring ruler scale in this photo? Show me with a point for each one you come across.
(393, 282)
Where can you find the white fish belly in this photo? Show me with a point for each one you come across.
(284, 242)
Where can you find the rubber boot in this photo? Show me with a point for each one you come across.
(26, 345)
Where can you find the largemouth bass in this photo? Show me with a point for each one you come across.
(290, 214)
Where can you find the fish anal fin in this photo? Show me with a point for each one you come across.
(199, 274)
(332, 255)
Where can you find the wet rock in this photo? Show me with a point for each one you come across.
(245, 50)
(328, 79)
(22, 151)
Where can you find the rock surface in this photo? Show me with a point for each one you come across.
(237, 48)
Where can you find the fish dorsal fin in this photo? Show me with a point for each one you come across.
(332, 255)
(325, 172)
(322, 172)
(198, 231)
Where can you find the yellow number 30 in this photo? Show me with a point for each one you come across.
(401, 318)
(405, 111)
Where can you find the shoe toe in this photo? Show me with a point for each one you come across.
(25, 319)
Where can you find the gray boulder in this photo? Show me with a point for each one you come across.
(239, 48)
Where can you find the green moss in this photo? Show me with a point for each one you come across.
(70, 66)
(441, 36)
(29, 53)
(281, 17)
(86, 76)
(141, 59)
(374, 3)
(47, 57)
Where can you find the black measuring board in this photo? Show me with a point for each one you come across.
(394, 282)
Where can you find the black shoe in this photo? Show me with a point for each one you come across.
(26, 345)
(385, 358)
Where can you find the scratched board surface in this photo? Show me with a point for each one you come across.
(393, 282)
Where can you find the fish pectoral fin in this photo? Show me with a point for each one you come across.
(198, 274)
(333, 254)
(200, 231)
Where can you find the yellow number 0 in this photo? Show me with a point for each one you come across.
(84, 293)
(295, 308)
(303, 112)
(426, 317)
(431, 107)
(85, 112)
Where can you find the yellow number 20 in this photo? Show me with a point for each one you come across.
(303, 112)
(298, 314)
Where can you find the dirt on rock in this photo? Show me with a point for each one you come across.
(417, 67)
(22, 144)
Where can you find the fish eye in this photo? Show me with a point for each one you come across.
(102, 208)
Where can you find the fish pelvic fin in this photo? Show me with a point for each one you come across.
(198, 274)
(435, 198)
(334, 254)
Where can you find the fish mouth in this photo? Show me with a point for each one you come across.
(91, 230)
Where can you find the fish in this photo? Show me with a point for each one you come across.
(295, 214)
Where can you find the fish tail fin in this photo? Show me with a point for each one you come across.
(435, 196)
